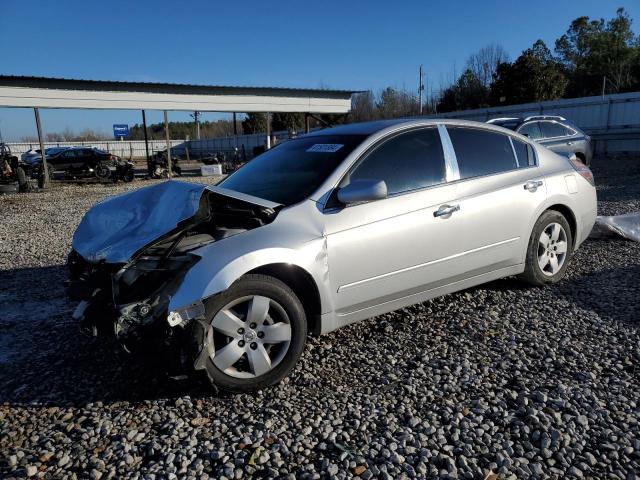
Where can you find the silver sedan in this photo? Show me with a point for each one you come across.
(322, 231)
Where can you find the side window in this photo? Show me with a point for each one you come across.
(70, 154)
(531, 130)
(407, 162)
(480, 152)
(524, 154)
(552, 129)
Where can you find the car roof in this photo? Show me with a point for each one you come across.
(369, 128)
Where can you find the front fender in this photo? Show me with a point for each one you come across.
(215, 272)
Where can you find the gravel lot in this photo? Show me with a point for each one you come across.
(527, 383)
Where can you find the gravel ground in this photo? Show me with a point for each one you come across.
(525, 383)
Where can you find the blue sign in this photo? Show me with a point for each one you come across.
(120, 130)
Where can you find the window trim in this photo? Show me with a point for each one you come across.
(543, 138)
(517, 168)
(452, 170)
(329, 205)
(529, 123)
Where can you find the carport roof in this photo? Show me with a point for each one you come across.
(29, 91)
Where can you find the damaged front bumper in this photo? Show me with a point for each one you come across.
(129, 303)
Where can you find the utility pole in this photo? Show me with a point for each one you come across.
(196, 117)
(420, 89)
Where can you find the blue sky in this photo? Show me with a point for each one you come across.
(337, 44)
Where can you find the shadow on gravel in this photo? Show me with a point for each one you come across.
(611, 293)
(46, 360)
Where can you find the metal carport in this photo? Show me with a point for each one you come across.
(43, 92)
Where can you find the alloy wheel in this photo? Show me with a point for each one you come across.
(552, 249)
(250, 336)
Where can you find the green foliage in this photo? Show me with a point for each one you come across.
(535, 76)
(394, 103)
(467, 92)
(593, 49)
(290, 122)
(208, 129)
(255, 123)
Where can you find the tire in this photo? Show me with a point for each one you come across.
(283, 307)
(540, 266)
(23, 182)
(102, 171)
(128, 176)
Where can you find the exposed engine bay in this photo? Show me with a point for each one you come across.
(129, 300)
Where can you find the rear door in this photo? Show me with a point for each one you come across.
(498, 193)
(66, 159)
(557, 137)
(383, 250)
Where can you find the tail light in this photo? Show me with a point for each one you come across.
(583, 170)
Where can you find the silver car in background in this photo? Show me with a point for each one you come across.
(319, 232)
(554, 132)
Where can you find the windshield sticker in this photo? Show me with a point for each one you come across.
(325, 147)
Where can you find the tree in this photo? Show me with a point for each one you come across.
(363, 107)
(484, 63)
(255, 123)
(291, 122)
(468, 92)
(394, 103)
(535, 76)
(593, 49)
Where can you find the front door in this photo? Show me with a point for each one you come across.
(383, 250)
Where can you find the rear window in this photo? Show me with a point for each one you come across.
(552, 129)
(480, 152)
(531, 130)
(524, 154)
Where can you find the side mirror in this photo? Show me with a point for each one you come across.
(363, 191)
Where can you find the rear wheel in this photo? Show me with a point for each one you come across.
(549, 249)
(23, 181)
(256, 332)
(102, 171)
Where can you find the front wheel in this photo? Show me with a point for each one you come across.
(256, 332)
(549, 250)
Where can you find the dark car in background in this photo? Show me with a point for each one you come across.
(82, 162)
(554, 132)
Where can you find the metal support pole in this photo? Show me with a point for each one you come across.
(268, 130)
(235, 125)
(146, 142)
(45, 169)
(420, 89)
(166, 134)
(307, 123)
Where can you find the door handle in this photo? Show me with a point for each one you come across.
(532, 185)
(569, 143)
(446, 210)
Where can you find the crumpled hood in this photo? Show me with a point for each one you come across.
(116, 228)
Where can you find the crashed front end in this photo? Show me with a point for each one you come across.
(129, 302)
(131, 253)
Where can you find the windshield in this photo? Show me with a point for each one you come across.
(293, 170)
